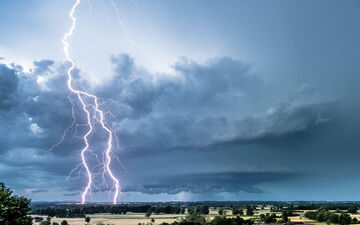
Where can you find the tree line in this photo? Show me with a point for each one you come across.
(80, 212)
(324, 215)
(195, 218)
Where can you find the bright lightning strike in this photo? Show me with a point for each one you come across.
(98, 115)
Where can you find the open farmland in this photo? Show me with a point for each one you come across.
(127, 219)
(136, 218)
(157, 213)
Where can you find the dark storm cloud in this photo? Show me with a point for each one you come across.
(199, 107)
(8, 87)
(207, 182)
(203, 106)
(281, 121)
(33, 121)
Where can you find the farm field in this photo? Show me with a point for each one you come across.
(127, 219)
(136, 218)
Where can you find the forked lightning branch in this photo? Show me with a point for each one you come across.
(90, 105)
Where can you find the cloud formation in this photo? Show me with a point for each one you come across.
(8, 87)
(200, 106)
(207, 182)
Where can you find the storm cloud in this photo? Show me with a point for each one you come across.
(220, 103)
(207, 182)
(199, 107)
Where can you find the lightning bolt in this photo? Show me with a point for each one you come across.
(98, 114)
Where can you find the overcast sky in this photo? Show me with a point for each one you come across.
(210, 100)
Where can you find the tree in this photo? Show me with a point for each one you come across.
(193, 217)
(284, 217)
(235, 211)
(13, 209)
(249, 211)
(45, 222)
(152, 220)
(241, 211)
(202, 209)
(334, 218)
(148, 213)
(352, 210)
(323, 209)
(218, 220)
(354, 220)
(268, 218)
(87, 219)
(205, 209)
(344, 219)
(322, 216)
(311, 215)
(64, 222)
(222, 220)
(167, 209)
(55, 223)
(221, 211)
(182, 211)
